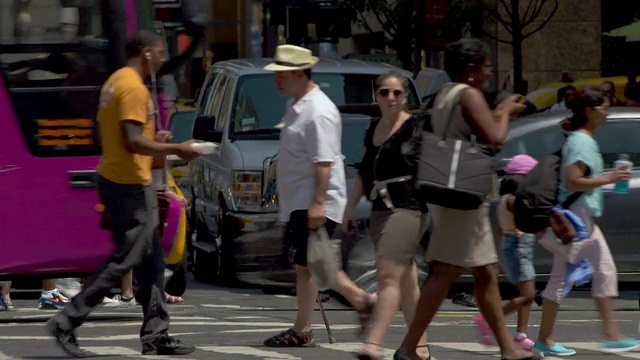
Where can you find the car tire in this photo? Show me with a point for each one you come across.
(177, 284)
(217, 266)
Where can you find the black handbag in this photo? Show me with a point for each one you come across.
(454, 173)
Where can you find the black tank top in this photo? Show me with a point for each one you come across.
(387, 161)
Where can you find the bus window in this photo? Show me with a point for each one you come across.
(53, 62)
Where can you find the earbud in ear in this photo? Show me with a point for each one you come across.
(147, 55)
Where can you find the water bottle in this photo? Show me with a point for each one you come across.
(623, 162)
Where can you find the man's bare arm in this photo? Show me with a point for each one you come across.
(136, 143)
(323, 174)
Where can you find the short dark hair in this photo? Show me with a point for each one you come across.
(307, 73)
(139, 40)
(463, 52)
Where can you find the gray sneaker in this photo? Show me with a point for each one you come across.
(7, 301)
(118, 301)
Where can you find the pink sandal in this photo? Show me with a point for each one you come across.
(484, 331)
(173, 299)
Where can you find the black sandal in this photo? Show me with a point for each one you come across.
(401, 355)
(290, 338)
(365, 355)
(427, 346)
(365, 314)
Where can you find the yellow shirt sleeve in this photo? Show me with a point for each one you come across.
(134, 105)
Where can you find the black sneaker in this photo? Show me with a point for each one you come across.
(465, 300)
(166, 345)
(65, 339)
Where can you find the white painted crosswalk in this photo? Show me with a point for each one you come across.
(344, 350)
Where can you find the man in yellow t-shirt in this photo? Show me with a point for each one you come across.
(126, 120)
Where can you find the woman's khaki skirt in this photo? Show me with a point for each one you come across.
(396, 234)
(461, 238)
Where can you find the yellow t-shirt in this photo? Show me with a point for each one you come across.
(124, 96)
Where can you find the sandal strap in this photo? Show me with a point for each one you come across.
(289, 338)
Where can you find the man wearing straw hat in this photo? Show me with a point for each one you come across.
(311, 184)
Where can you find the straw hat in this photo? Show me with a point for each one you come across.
(291, 57)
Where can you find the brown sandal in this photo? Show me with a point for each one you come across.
(290, 338)
(364, 315)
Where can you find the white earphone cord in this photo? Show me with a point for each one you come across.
(156, 115)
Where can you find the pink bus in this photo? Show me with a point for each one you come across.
(53, 61)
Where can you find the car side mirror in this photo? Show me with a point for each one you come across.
(203, 129)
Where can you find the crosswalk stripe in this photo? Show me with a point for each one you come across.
(249, 351)
(123, 351)
(353, 347)
(93, 338)
(594, 346)
(475, 348)
(3, 356)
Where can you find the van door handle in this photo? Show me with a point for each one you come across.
(82, 179)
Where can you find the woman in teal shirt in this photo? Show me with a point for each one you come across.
(579, 154)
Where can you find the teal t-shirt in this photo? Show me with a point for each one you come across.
(581, 147)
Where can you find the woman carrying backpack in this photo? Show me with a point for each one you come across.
(580, 154)
(516, 254)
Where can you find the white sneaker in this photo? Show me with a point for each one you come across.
(52, 300)
(7, 302)
(119, 301)
(69, 287)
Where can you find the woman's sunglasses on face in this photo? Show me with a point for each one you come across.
(386, 92)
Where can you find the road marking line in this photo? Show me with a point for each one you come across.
(476, 348)
(249, 351)
(352, 347)
(3, 356)
(236, 307)
(597, 347)
(94, 338)
(120, 352)
(241, 317)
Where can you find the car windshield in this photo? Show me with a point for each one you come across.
(353, 130)
(258, 107)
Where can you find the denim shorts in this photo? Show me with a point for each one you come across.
(516, 257)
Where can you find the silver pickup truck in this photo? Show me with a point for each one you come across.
(233, 216)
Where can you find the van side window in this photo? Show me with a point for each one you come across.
(53, 71)
(207, 90)
(223, 118)
(218, 94)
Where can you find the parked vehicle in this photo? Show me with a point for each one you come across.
(49, 93)
(239, 109)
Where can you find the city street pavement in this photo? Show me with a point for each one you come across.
(231, 324)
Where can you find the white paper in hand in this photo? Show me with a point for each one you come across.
(323, 258)
(204, 147)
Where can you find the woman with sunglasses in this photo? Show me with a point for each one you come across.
(397, 220)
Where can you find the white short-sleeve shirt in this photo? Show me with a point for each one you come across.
(312, 133)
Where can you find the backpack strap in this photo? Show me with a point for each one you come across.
(576, 195)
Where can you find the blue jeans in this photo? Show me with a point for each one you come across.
(516, 257)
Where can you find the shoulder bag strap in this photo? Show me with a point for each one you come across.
(449, 100)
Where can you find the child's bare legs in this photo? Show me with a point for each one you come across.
(6, 288)
(126, 285)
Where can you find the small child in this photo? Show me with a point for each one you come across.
(516, 254)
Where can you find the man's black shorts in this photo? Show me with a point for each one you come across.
(296, 234)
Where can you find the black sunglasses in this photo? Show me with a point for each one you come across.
(386, 92)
